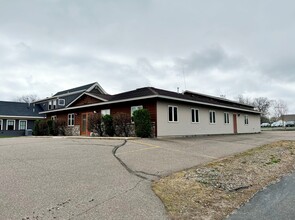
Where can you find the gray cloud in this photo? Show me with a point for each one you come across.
(227, 47)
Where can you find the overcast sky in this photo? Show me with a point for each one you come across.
(216, 47)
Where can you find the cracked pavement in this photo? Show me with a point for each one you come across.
(88, 178)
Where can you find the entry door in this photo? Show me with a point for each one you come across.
(235, 123)
(84, 124)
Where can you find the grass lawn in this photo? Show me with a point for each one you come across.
(216, 189)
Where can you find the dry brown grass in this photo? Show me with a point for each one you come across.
(214, 190)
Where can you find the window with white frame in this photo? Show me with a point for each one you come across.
(10, 126)
(226, 118)
(22, 125)
(49, 105)
(1, 124)
(71, 119)
(212, 117)
(53, 117)
(61, 102)
(133, 109)
(195, 115)
(105, 112)
(172, 113)
(246, 119)
(54, 104)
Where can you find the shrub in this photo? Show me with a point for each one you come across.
(122, 125)
(61, 127)
(45, 127)
(95, 124)
(108, 125)
(142, 121)
(36, 130)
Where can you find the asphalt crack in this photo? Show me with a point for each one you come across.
(140, 174)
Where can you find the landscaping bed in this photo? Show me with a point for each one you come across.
(216, 189)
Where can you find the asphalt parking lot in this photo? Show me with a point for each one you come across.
(77, 178)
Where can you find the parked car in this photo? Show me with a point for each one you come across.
(290, 124)
(279, 123)
(265, 124)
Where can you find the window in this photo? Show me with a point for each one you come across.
(61, 102)
(10, 125)
(133, 109)
(71, 119)
(226, 118)
(49, 105)
(173, 114)
(212, 117)
(1, 124)
(246, 119)
(195, 115)
(53, 117)
(22, 125)
(54, 104)
(105, 112)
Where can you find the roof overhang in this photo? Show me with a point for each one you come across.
(150, 97)
(22, 117)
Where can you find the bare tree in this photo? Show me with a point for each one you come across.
(27, 98)
(280, 108)
(262, 104)
(244, 100)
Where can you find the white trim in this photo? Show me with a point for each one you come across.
(1, 123)
(84, 93)
(195, 122)
(246, 118)
(7, 124)
(94, 96)
(93, 86)
(149, 97)
(226, 122)
(21, 117)
(59, 102)
(19, 124)
(177, 115)
(71, 119)
(102, 112)
(213, 114)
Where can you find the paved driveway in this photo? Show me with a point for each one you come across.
(73, 178)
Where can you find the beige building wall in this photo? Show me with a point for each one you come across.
(184, 125)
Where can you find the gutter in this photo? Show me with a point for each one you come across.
(22, 117)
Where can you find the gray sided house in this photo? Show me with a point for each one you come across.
(17, 117)
(172, 113)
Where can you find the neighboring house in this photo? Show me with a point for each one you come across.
(17, 117)
(172, 113)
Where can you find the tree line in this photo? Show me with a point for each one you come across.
(271, 110)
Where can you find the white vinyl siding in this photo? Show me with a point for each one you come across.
(212, 117)
(22, 125)
(71, 119)
(184, 126)
(195, 115)
(226, 118)
(172, 113)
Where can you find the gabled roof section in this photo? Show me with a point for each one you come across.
(85, 88)
(19, 109)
